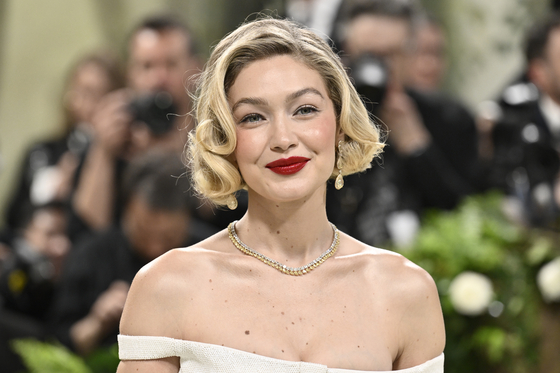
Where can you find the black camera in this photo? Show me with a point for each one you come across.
(526, 162)
(156, 110)
(370, 75)
(27, 280)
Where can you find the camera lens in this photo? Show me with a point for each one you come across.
(156, 110)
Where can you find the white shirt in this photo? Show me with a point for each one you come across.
(551, 114)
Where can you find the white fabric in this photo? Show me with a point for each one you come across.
(551, 113)
(208, 358)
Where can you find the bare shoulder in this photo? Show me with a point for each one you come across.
(389, 267)
(154, 302)
(411, 295)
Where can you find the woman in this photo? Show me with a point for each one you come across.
(282, 290)
(48, 169)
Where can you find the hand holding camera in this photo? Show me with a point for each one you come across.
(407, 131)
(120, 114)
(111, 123)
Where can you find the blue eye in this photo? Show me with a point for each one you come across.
(251, 118)
(306, 110)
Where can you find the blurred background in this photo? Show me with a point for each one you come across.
(495, 257)
(39, 42)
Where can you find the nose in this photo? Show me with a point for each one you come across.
(158, 78)
(282, 134)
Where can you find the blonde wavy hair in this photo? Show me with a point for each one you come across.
(214, 138)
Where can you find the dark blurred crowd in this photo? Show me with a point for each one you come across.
(92, 207)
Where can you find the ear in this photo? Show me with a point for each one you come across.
(340, 135)
(538, 73)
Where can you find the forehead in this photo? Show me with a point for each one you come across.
(90, 72)
(553, 45)
(376, 34)
(275, 75)
(148, 41)
(430, 31)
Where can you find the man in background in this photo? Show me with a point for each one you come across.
(525, 137)
(97, 275)
(428, 66)
(431, 155)
(30, 270)
(161, 61)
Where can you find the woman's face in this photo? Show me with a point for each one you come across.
(286, 129)
(89, 84)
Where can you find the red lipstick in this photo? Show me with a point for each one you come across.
(287, 166)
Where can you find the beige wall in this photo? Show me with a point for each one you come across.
(39, 42)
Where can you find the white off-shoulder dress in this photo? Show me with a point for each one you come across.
(208, 358)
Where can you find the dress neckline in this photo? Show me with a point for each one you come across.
(199, 345)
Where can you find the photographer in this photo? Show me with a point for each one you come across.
(431, 159)
(156, 218)
(161, 58)
(526, 135)
(29, 271)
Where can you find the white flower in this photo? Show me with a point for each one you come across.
(471, 293)
(548, 281)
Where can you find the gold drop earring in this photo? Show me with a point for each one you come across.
(339, 182)
(232, 202)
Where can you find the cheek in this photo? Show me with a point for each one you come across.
(249, 146)
(324, 134)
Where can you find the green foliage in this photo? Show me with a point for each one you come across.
(478, 237)
(40, 357)
(43, 357)
(104, 360)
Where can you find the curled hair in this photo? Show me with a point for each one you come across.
(214, 138)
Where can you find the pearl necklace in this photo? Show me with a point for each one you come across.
(281, 267)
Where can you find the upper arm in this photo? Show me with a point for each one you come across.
(421, 330)
(151, 310)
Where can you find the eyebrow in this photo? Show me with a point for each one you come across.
(263, 102)
(249, 101)
(302, 92)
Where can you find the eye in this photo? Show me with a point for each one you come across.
(251, 118)
(306, 110)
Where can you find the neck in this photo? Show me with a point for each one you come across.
(293, 233)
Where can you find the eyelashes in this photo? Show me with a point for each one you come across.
(307, 110)
(251, 118)
(304, 110)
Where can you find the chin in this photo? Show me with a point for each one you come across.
(292, 193)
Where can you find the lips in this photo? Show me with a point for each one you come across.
(287, 166)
